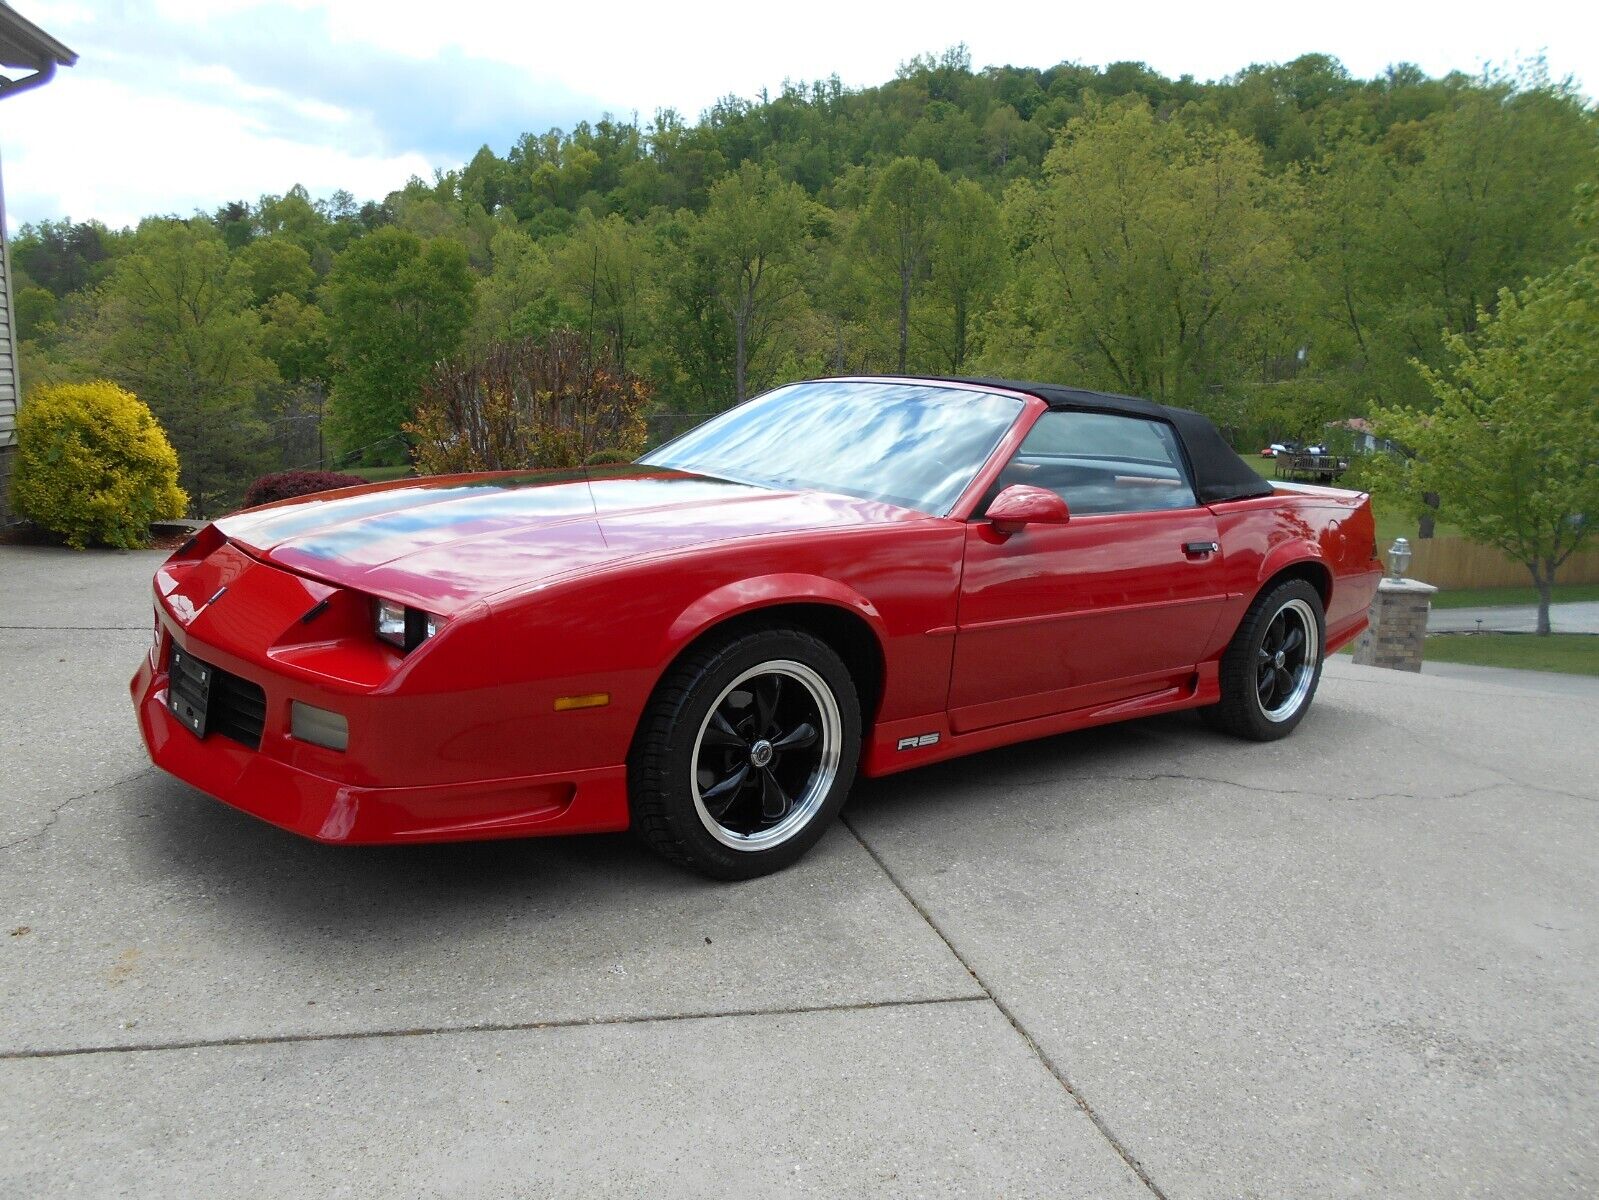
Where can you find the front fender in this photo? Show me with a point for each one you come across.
(765, 591)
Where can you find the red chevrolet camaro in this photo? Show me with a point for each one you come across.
(838, 576)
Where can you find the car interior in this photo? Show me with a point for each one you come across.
(1101, 463)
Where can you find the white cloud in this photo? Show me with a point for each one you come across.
(95, 148)
(647, 54)
(216, 78)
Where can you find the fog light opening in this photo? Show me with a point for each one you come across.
(319, 726)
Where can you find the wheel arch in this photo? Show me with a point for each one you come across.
(827, 610)
(1311, 569)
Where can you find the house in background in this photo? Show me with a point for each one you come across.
(1363, 439)
(28, 58)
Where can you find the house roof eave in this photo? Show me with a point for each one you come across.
(24, 44)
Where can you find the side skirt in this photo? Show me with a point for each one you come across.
(885, 757)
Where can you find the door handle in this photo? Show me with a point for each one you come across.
(1200, 549)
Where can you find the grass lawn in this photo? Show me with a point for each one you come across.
(1391, 522)
(1568, 653)
(1484, 597)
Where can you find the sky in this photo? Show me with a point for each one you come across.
(178, 105)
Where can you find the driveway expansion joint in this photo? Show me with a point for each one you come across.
(81, 628)
(361, 1035)
(1038, 1051)
(1502, 781)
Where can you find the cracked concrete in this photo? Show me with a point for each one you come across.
(1136, 961)
(54, 811)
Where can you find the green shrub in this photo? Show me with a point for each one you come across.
(602, 458)
(93, 465)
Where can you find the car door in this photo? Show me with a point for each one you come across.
(1118, 601)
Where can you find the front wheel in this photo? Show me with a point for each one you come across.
(746, 753)
(1270, 669)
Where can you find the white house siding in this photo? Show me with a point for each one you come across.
(10, 388)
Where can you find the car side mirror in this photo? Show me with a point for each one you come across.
(1022, 504)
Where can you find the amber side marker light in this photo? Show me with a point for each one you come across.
(592, 700)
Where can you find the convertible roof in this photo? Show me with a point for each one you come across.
(1219, 474)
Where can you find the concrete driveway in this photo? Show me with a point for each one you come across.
(1142, 961)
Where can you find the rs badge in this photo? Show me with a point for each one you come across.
(916, 743)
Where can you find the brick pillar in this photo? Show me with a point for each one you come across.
(1398, 629)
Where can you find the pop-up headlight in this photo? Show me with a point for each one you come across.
(403, 626)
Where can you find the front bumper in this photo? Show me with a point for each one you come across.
(456, 757)
(328, 810)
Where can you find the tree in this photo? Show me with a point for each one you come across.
(1512, 443)
(294, 217)
(1487, 200)
(398, 305)
(62, 257)
(603, 269)
(36, 313)
(517, 297)
(294, 335)
(694, 351)
(1417, 232)
(272, 265)
(1154, 261)
(750, 242)
(176, 328)
(899, 228)
(968, 265)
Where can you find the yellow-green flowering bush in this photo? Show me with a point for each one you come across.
(93, 465)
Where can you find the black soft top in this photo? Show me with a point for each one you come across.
(1219, 474)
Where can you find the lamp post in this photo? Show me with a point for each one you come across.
(1399, 558)
(1397, 631)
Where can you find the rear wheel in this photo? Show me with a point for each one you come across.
(745, 754)
(1271, 668)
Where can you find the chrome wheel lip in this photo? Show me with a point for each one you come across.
(817, 788)
(1305, 674)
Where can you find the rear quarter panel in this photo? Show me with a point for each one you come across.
(1264, 536)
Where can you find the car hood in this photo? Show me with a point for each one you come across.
(447, 542)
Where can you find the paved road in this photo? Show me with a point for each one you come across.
(1581, 616)
(1135, 962)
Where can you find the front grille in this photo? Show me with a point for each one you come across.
(238, 709)
(233, 707)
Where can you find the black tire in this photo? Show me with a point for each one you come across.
(756, 681)
(1251, 707)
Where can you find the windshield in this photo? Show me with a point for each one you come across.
(914, 445)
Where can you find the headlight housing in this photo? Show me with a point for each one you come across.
(402, 626)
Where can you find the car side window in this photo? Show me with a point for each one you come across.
(1103, 463)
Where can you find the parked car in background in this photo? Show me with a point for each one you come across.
(706, 646)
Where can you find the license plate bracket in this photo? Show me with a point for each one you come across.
(189, 690)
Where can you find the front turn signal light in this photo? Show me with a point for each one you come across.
(319, 726)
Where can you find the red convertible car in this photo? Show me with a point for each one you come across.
(707, 646)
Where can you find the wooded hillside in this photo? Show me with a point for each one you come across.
(1275, 247)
